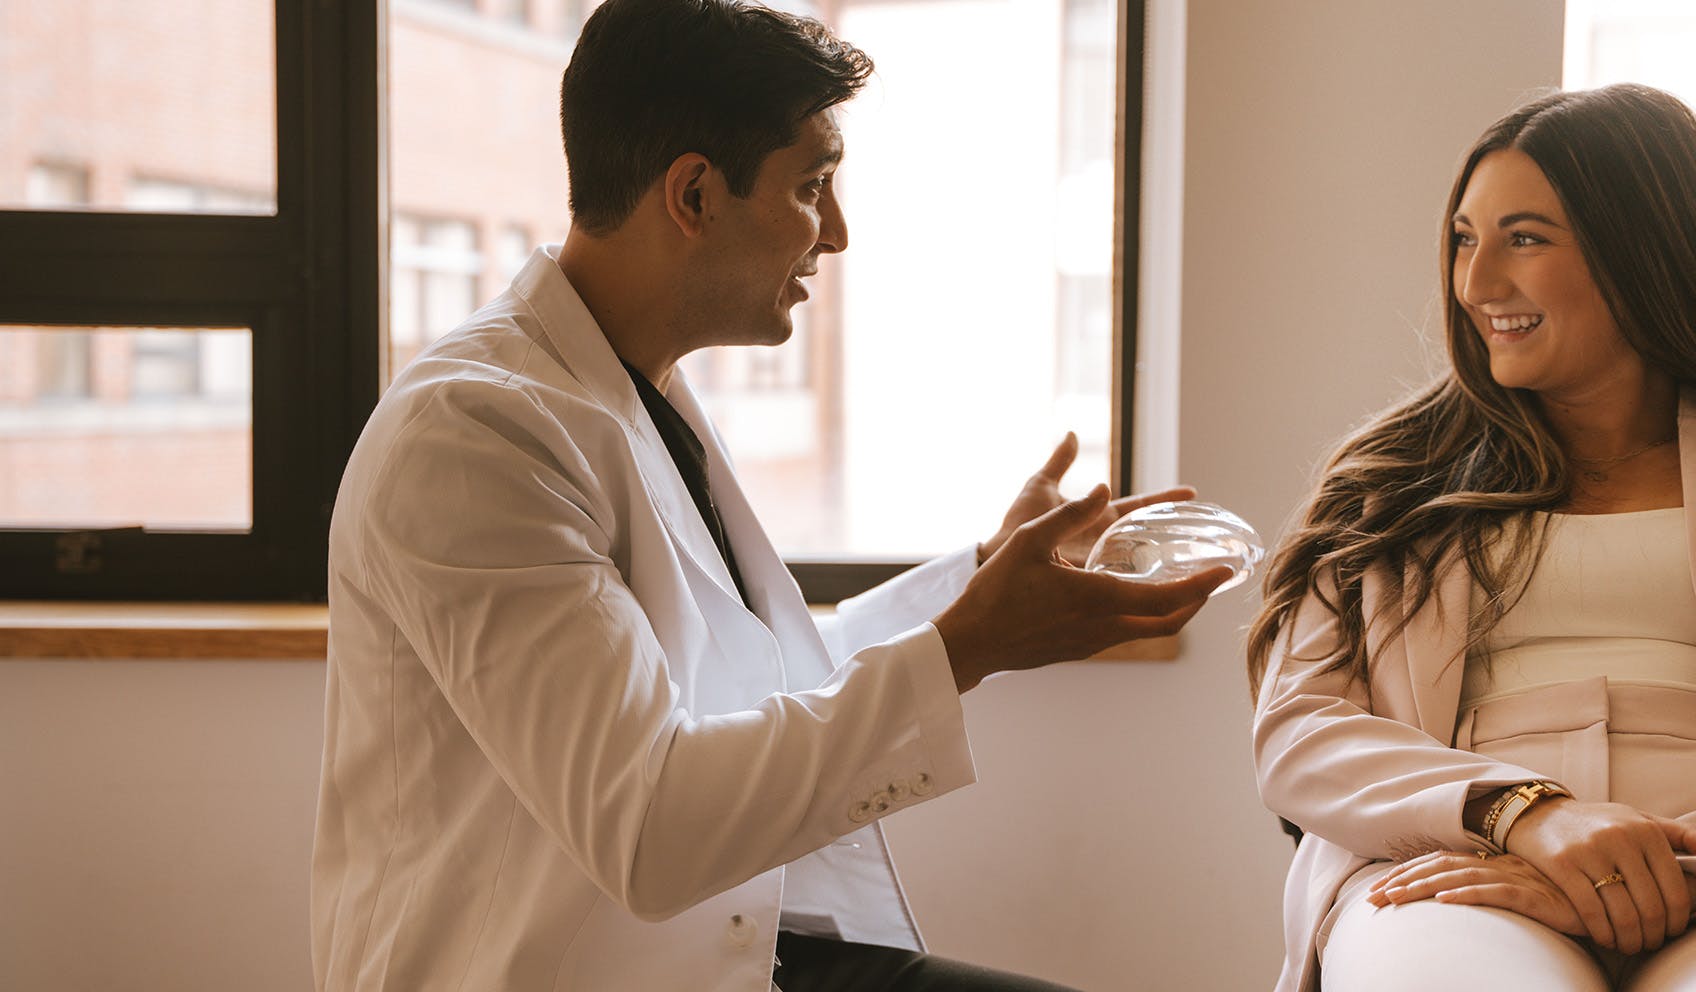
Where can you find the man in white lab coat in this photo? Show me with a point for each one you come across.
(581, 731)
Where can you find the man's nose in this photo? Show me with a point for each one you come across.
(833, 226)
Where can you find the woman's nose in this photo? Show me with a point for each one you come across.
(1480, 277)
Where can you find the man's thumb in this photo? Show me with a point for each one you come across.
(1069, 517)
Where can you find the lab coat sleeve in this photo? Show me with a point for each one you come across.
(906, 601)
(1376, 786)
(488, 540)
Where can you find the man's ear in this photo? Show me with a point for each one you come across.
(686, 192)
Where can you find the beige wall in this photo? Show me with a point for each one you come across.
(1115, 840)
(156, 824)
(157, 816)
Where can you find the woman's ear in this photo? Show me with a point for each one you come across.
(686, 192)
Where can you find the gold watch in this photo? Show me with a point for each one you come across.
(1513, 803)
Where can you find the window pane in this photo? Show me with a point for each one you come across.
(1640, 41)
(434, 267)
(464, 221)
(121, 427)
(971, 324)
(105, 102)
(939, 359)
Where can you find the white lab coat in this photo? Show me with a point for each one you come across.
(559, 752)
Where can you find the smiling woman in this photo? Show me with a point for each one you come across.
(1487, 607)
(1521, 276)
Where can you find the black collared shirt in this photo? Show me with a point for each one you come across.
(690, 457)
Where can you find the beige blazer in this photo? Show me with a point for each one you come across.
(560, 752)
(1372, 776)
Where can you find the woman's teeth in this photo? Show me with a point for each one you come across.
(1522, 322)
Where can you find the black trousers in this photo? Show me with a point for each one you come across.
(816, 964)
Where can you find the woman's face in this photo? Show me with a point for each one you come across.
(1521, 277)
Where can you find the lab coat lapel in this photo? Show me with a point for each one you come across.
(773, 595)
(585, 352)
(677, 507)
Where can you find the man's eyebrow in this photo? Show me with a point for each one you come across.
(1515, 218)
(830, 157)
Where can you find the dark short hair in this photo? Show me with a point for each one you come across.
(651, 80)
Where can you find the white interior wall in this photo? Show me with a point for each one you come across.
(1115, 840)
(156, 824)
(157, 815)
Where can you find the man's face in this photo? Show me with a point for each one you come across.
(760, 248)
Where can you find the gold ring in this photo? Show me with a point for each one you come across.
(1609, 879)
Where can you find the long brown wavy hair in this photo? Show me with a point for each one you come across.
(1450, 468)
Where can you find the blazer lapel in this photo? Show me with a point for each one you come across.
(1435, 638)
(1435, 643)
(1687, 469)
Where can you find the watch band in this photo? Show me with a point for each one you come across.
(1512, 804)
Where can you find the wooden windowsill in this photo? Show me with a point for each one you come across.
(162, 630)
(244, 630)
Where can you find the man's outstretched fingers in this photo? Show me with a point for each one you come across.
(1064, 454)
(1048, 530)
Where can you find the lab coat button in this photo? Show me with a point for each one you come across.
(860, 812)
(899, 790)
(922, 785)
(742, 930)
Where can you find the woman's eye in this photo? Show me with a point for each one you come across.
(1520, 239)
(1460, 239)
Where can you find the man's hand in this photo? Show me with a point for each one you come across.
(1041, 493)
(1026, 607)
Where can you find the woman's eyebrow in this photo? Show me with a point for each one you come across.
(1515, 218)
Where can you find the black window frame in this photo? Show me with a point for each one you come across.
(310, 281)
(306, 281)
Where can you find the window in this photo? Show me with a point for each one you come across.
(970, 324)
(433, 282)
(99, 92)
(56, 185)
(188, 286)
(247, 272)
(1641, 41)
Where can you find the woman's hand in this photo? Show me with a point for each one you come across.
(1575, 845)
(1506, 882)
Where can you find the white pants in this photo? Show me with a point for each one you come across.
(1422, 946)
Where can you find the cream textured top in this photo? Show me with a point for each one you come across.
(1611, 596)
